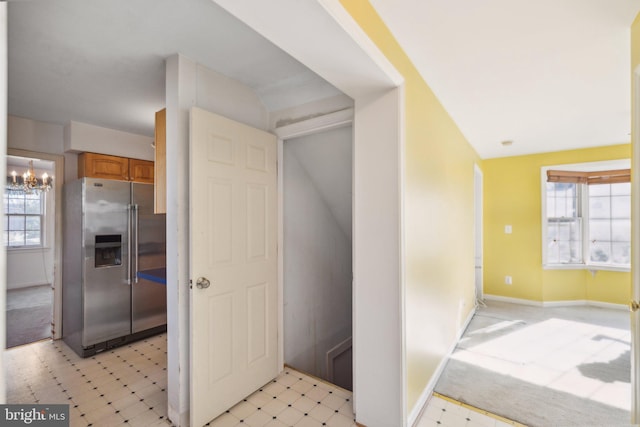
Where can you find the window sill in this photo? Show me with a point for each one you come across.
(590, 267)
(27, 248)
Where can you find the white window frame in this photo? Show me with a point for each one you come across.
(42, 215)
(581, 167)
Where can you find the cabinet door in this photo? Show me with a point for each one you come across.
(160, 195)
(94, 165)
(141, 171)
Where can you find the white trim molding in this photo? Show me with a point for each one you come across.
(564, 303)
(316, 124)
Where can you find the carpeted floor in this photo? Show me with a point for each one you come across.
(566, 366)
(29, 313)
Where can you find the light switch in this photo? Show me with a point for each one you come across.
(507, 229)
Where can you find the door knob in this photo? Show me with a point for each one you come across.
(202, 283)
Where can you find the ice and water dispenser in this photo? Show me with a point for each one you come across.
(108, 250)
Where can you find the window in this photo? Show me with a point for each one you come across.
(23, 221)
(587, 212)
(564, 223)
(610, 224)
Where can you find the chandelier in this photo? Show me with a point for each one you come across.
(29, 183)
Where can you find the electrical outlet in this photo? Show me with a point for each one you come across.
(507, 280)
(508, 229)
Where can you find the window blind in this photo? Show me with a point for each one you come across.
(590, 178)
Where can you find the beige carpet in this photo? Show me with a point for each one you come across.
(565, 366)
(29, 313)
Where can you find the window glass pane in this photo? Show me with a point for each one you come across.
(32, 223)
(621, 189)
(32, 237)
(621, 207)
(32, 206)
(551, 206)
(564, 231)
(553, 252)
(599, 207)
(600, 230)
(35, 195)
(600, 252)
(570, 207)
(564, 252)
(576, 252)
(621, 230)
(16, 223)
(562, 200)
(599, 190)
(564, 241)
(16, 206)
(620, 253)
(16, 238)
(552, 232)
(576, 230)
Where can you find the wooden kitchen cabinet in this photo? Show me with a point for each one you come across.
(160, 164)
(141, 171)
(93, 165)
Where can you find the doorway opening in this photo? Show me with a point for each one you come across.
(317, 256)
(30, 237)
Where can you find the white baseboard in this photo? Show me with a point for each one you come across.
(612, 305)
(513, 300)
(566, 303)
(178, 419)
(12, 286)
(421, 404)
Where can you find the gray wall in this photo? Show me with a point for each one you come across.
(317, 248)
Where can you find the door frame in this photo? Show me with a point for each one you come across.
(318, 124)
(635, 247)
(58, 166)
(478, 199)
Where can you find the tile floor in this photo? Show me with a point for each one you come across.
(292, 399)
(443, 412)
(126, 386)
(121, 387)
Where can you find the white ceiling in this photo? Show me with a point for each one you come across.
(102, 61)
(548, 75)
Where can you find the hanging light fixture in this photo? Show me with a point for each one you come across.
(28, 182)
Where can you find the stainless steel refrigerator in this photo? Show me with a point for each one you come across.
(113, 265)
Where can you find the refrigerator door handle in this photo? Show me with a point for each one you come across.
(129, 207)
(136, 233)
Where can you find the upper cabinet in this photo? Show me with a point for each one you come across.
(141, 171)
(160, 188)
(94, 165)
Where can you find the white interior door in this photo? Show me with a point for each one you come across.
(233, 245)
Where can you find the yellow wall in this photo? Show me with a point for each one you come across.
(512, 196)
(439, 249)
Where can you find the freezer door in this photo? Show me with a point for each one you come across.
(106, 289)
(148, 299)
